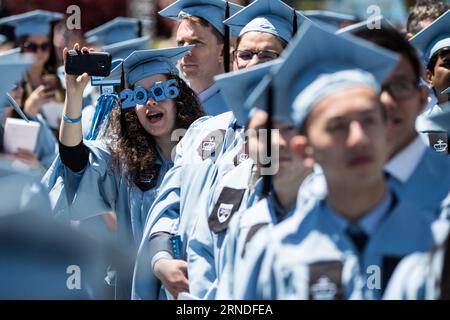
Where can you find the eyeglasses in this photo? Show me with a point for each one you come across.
(263, 55)
(34, 47)
(401, 90)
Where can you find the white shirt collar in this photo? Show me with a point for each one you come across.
(208, 93)
(406, 161)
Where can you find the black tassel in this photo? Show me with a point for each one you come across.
(139, 33)
(270, 100)
(226, 36)
(294, 24)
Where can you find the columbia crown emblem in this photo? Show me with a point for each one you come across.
(209, 145)
(242, 157)
(224, 212)
(440, 146)
(323, 289)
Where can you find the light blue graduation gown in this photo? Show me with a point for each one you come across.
(429, 184)
(212, 101)
(424, 126)
(185, 191)
(239, 241)
(233, 194)
(418, 276)
(99, 188)
(21, 190)
(312, 257)
(46, 145)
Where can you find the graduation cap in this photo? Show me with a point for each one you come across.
(442, 119)
(368, 24)
(33, 23)
(331, 18)
(213, 11)
(433, 38)
(13, 64)
(117, 30)
(121, 50)
(269, 16)
(316, 64)
(144, 63)
(236, 86)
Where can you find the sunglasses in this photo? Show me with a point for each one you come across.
(34, 47)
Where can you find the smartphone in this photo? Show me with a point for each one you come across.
(50, 83)
(93, 63)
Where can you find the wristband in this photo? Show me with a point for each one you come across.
(71, 120)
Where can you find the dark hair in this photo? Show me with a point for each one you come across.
(434, 58)
(424, 10)
(391, 39)
(133, 149)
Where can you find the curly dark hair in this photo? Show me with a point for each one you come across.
(133, 149)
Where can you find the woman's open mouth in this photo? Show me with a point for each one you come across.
(155, 117)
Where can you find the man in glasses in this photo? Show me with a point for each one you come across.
(200, 24)
(244, 58)
(415, 171)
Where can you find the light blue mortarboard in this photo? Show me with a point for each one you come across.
(121, 50)
(116, 30)
(434, 37)
(14, 65)
(144, 63)
(269, 16)
(330, 17)
(369, 24)
(33, 23)
(316, 64)
(212, 11)
(236, 86)
(442, 119)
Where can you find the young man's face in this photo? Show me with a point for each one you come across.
(346, 135)
(289, 168)
(440, 77)
(403, 101)
(206, 58)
